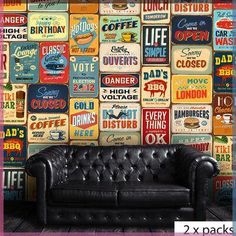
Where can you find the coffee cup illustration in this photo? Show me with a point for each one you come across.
(227, 118)
(128, 37)
(57, 135)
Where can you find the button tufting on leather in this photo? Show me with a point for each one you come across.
(140, 155)
(127, 155)
(160, 218)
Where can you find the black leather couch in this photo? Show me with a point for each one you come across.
(121, 185)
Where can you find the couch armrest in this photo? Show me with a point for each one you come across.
(194, 169)
(54, 159)
(189, 160)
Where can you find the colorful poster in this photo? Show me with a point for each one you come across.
(191, 60)
(223, 4)
(191, 29)
(14, 27)
(81, 6)
(155, 12)
(125, 29)
(119, 117)
(119, 138)
(119, 57)
(223, 30)
(119, 88)
(84, 142)
(48, 128)
(191, 7)
(155, 87)
(47, 98)
(4, 62)
(155, 126)
(14, 5)
(223, 72)
(202, 142)
(223, 151)
(155, 45)
(24, 61)
(223, 190)
(47, 5)
(195, 119)
(14, 184)
(47, 27)
(84, 76)
(223, 119)
(119, 7)
(54, 62)
(14, 145)
(84, 34)
(14, 104)
(84, 118)
(191, 88)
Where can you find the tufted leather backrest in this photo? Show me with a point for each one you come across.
(122, 163)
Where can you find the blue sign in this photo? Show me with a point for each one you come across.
(191, 29)
(47, 98)
(14, 145)
(24, 61)
(84, 76)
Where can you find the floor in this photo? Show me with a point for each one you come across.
(21, 218)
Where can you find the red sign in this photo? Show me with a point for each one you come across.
(155, 126)
(54, 62)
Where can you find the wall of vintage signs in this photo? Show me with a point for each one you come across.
(116, 74)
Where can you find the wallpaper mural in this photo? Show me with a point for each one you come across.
(114, 74)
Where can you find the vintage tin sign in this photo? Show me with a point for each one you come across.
(155, 45)
(14, 5)
(47, 5)
(84, 34)
(223, 190)
(119, 57)
(14, 145)
(47, 98)
(84, 76)
(125, 29)
(155, 12)
(223, 72)
(191, 60)
(119, 138)
(4, 62)
(222, 152)
(36, 148)
(202, 142)
(191, 7)
(119, 88)
(84, 118)
(196, 119)
(14, 184)
(54, 62)
(223, 119)
(155, 86)
(223, 30)
(14, 104)
(81, 6)
(223, 4)
(119, 117)
(191, 88)
(84, 143)
(48, 128)
(24, 61)
(155, 126)
(191, 29)
(14, 27)
(47, 27)
(119, 7)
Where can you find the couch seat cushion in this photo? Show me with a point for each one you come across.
(152, 195)
(84, 193)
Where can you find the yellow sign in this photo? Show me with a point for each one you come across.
(191, 89)
(48, 27)
(84, 118)
(83, 34)
(14, 5)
